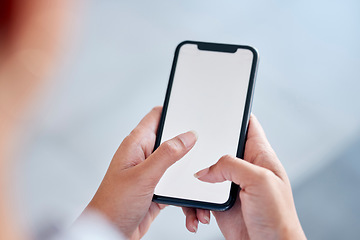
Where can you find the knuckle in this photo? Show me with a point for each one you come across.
(172, 147)
(225, 160)
(133, 138)
(136, 131)
(222, 167)
(128, 141)
(227, 157)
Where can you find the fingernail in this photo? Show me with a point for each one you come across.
(195, 133)
(201, 173)
(207, 219)
(187, 139)
(195, 225)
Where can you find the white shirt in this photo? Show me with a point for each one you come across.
(90, 226)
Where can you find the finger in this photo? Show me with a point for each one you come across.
(162, 206)
(256, 130)
(144, 134)
(203, 215)
(191, 221)
(141, 140)
(151, 121)
(166, 154)
(259, 151)
(234, 169)
(149, 217)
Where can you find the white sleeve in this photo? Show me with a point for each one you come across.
(91, 226)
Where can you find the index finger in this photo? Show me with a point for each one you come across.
(256, 130)
(259, 151)
(151, 121)
(142, 138)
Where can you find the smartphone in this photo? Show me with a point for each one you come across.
(210, 91)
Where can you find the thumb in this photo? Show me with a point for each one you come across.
(167, 154)
(233, 169)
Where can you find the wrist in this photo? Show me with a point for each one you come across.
(291, 231)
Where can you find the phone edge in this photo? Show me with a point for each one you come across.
(243, 132)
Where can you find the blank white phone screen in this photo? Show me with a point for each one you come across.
(208, 95)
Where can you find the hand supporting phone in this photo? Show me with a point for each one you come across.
(210, 91)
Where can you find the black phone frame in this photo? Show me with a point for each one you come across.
(207, 46)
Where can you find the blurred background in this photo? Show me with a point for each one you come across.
(116, 68)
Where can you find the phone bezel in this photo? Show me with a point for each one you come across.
(206, 46)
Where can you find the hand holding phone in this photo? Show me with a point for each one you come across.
(125, 194)
(264, 208)
(210, 91)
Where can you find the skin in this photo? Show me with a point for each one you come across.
(29, 36)
(125, 194)
(264, 208)
(31, 33)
